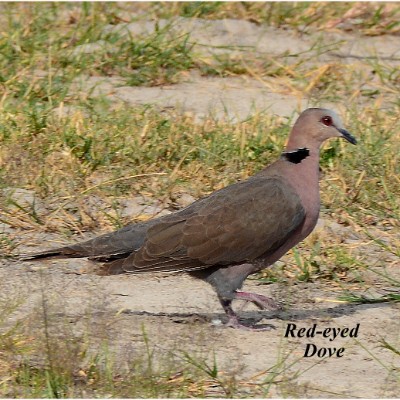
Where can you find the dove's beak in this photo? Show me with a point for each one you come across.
(348, 136)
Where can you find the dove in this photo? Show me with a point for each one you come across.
(232, 233)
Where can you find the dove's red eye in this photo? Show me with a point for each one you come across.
(327, 120)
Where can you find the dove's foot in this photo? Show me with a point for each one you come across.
(233, 320)
(262, 302)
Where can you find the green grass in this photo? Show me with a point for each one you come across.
(109, 152)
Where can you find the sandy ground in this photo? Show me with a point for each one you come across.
(179, 312)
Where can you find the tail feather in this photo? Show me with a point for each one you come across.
(60, 252)
(107, 247)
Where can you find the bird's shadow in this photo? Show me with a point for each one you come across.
(254, 317)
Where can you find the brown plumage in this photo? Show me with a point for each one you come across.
(233, 232)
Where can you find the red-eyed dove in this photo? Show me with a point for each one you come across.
(234, 232)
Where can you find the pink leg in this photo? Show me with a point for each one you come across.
(259, 300)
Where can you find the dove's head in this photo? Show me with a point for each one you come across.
(314, 126)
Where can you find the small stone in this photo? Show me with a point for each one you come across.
(216, 322)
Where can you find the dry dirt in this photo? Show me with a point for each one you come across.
(178, 312)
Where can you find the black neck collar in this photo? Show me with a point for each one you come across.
(296, 156)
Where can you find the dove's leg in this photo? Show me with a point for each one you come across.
(226, 282)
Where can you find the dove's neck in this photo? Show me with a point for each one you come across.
(298, 140)
(300, 166)
(301, 160)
